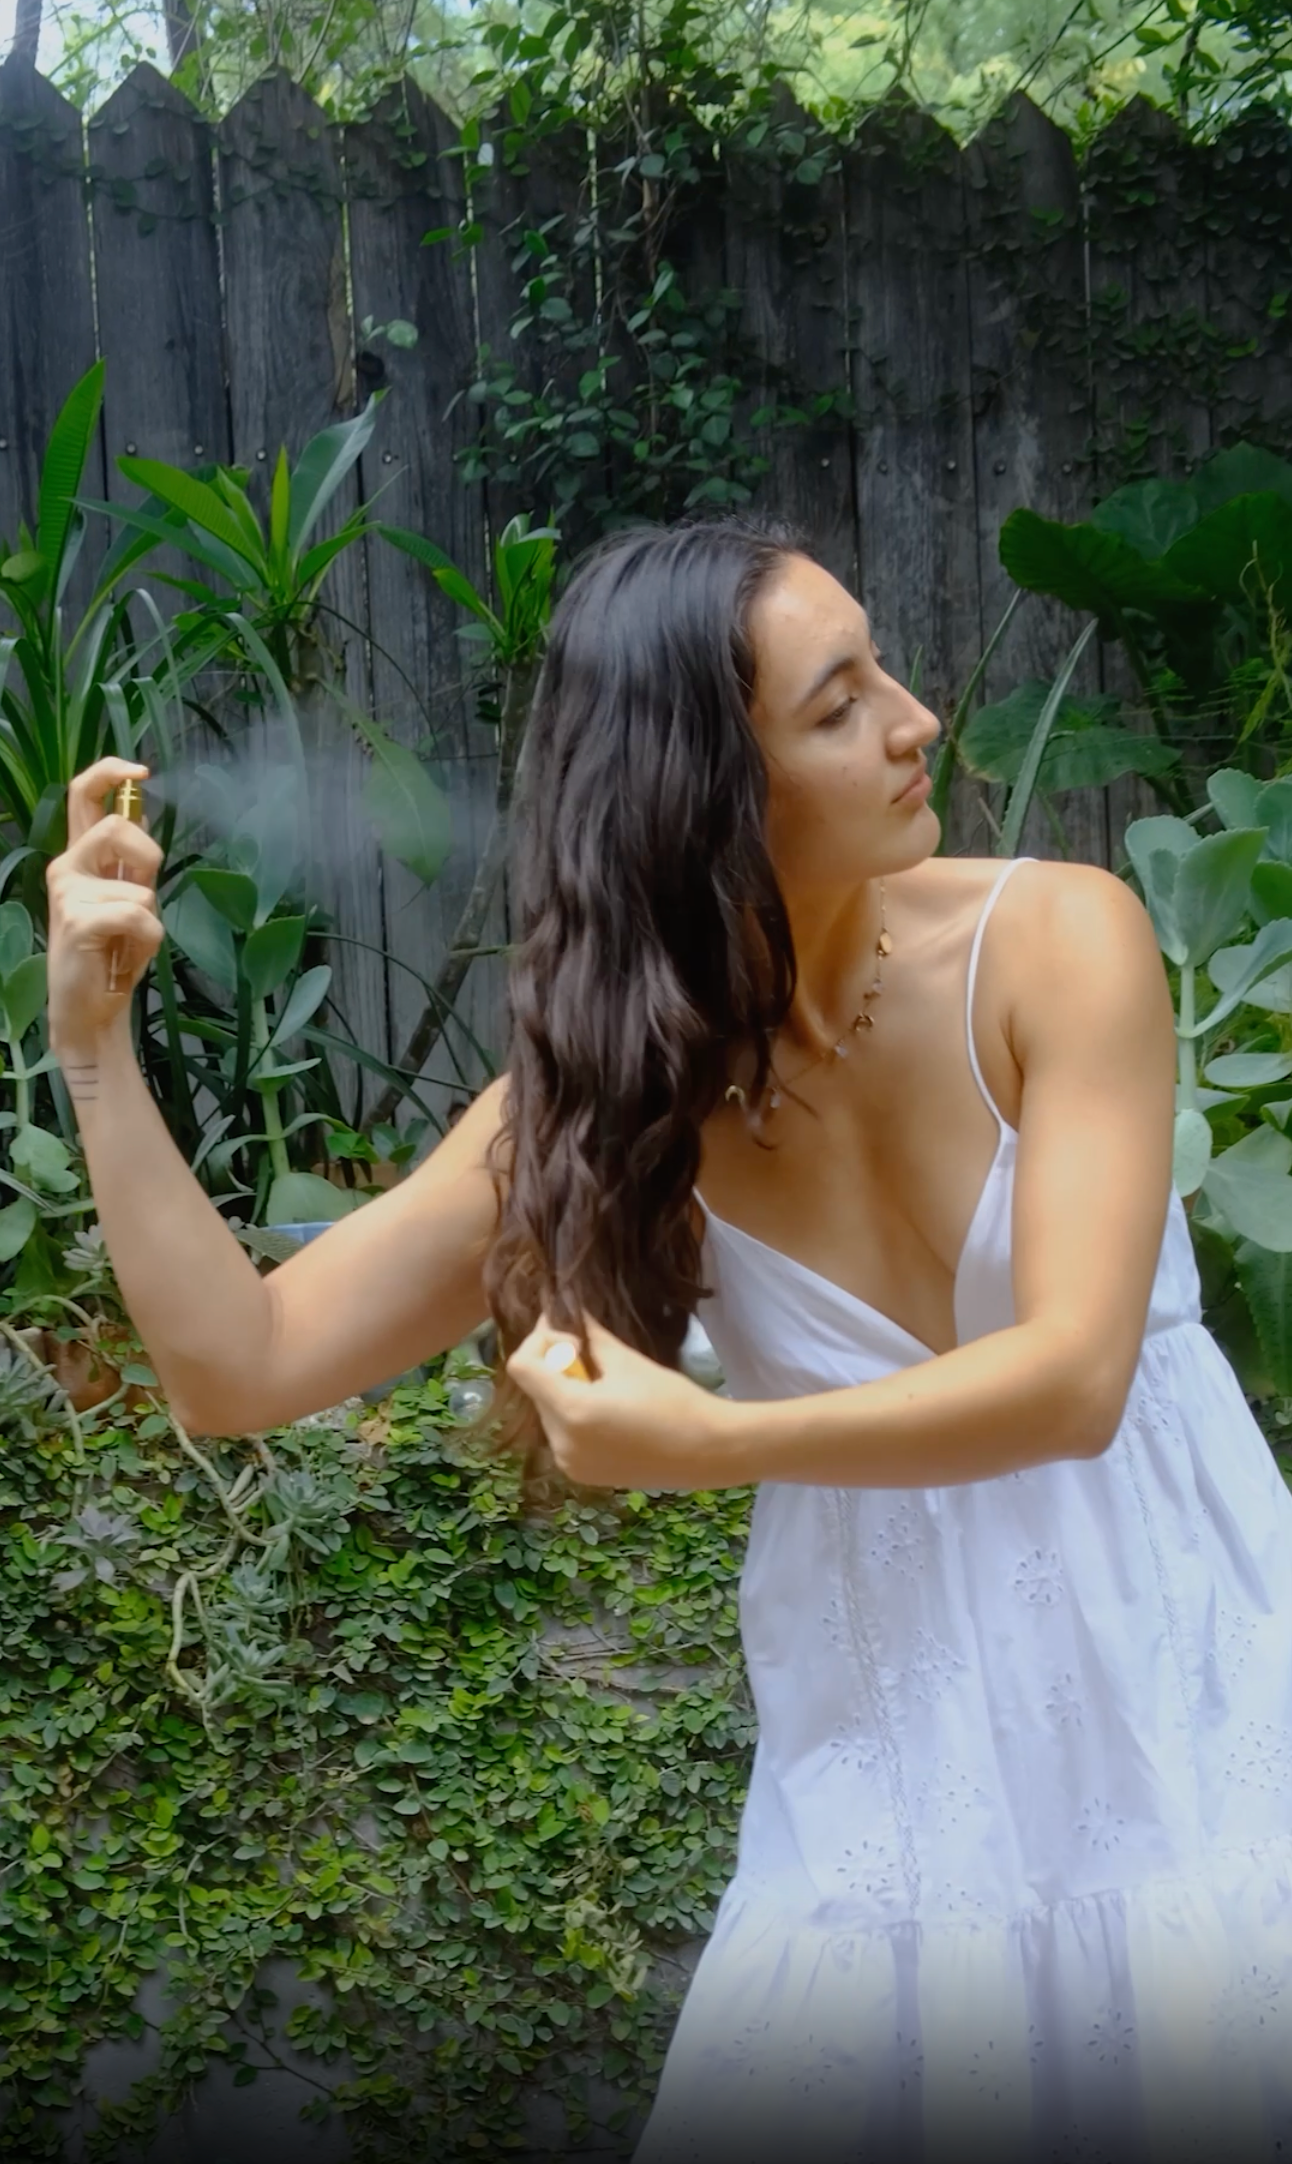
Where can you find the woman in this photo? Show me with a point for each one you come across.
(1015, 1872)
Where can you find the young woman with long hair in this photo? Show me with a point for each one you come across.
(1015, 1869)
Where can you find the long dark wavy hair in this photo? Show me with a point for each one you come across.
(653, 940)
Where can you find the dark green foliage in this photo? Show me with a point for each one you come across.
(465, 1770)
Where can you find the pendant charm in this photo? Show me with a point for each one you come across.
(884, 945)
(868, 1021)
(841, 1050)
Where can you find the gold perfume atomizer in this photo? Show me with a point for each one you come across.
(127, 803)
(564, 1358)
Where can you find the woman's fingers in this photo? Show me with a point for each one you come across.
(85, 794)
(112, 841)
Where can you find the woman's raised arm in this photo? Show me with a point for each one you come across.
(235, 1353)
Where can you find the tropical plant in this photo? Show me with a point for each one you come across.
(1233, 1153)
(510, 633)
(260, 619)
(66, 698)
(1193, 579)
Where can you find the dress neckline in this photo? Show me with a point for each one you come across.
(1006, 1137)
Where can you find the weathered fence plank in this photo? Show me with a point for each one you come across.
(403, 183)
(1146, 189)
(46, 306)
(946, 290)
(289, 342)
(533, 207)
(787, 256)
(1032, 417)
(909, 299)
(161, 325)
(1249, 280)
(1152, 354)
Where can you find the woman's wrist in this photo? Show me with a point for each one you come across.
(87, 1067)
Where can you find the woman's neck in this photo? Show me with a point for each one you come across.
(834, 945)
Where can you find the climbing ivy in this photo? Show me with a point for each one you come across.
(467, 1771)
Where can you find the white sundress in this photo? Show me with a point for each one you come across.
(1015, 1868)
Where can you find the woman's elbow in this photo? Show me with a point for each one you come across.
(1090, 1387)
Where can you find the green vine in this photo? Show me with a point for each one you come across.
(329, 1697)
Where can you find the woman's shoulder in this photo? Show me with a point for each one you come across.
(1044, 899)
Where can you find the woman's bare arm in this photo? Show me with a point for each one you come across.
(235, 1352)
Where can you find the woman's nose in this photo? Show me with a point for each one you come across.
(915, 726)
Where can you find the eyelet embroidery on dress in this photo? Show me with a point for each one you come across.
(1261, 1757)
(1112, 2038)
(1101, 1825)
(1252, 2000)
(868, 1667)
(932, 1666)
(1063, 1702)
(1039, 1577)
(900, 1542)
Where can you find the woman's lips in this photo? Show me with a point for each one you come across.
(918, 786)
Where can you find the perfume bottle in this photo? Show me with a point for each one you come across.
(127, 803)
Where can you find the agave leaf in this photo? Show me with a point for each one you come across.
(323, 466)
(64, 463)
(201, 505)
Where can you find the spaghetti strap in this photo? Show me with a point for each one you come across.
(974, 953)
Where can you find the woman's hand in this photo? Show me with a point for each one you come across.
(93, 913)
(637, 1425)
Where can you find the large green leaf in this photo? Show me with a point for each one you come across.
(1238, 550)
(15, 937)
(1266, 1280)
(1255, 975)
(1234, 797)
(200, 505)
(233, 894)
(1249, 1184)
(1085, 750)
(306, 997)
(1021, 795)
(408, 808)
(64, 462)
(1248, 1070)
(25, 996)
(447, 576)
(1093, 571)
(44, 1160)
(323, 466)
(16, 1225)
(205, 548)
(1156, 848)
(1243, 470)
(1212, 886)
(1149, 515)
(304, 1198)
(200, 932)
(1274, 813)
(1192, 1151)
(1271, 892)
(272, 953)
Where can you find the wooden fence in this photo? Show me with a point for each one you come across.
(1011, 325)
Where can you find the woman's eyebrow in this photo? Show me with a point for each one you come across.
(832, 668)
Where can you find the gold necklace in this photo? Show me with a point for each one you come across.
(862, 1019)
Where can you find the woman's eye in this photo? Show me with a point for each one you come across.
(841, 713)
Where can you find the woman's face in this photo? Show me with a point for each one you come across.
(842, 740)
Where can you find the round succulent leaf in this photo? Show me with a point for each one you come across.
(1192, 1152)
